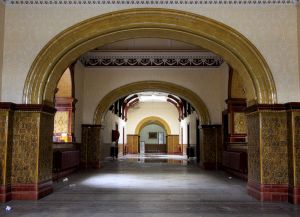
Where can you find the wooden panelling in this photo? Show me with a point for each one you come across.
(133, 144)
(155, 148)
(173, 144)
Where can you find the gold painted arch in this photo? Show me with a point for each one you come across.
(209, 34)
(160, 86)
(152, 120)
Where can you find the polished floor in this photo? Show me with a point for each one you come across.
(151, 185)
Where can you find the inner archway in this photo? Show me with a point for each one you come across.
(67, 46)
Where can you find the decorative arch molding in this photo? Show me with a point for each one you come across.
(212, 35)
(160, 86)
(152, 120)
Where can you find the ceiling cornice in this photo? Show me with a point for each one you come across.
(151, 2)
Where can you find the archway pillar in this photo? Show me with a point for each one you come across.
(267, 152)
(293, 127)
(6, 139)
(211, 146)
(31, 170)
(90, 154)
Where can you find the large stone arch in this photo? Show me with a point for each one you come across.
(68, 45)
(152, 120)
(142, 86)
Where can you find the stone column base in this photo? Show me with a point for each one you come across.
(294, 195)
(31, 191)
(268, 192)
(5, 193)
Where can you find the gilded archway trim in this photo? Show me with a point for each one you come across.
(152, 120)
(212, 35)
(160, 86)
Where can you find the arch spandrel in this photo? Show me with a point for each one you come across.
(67, 46)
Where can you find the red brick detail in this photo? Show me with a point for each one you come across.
(5, 193)
(31, 191)
(268, 192)
(294, 195)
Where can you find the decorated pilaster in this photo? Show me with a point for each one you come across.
(32, 151)
(211, 146)
(293, 127)
(6, 131)
(90, 147)
(267, 152)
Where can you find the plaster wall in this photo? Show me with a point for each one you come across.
(206, 82)
(79, 89)
(189, 120)
(165, 111)
(2, 24)
(272, 29)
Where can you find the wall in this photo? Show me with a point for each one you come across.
(2, 22)
(79, 89)
(144, 135)
(191, 120)
(166, 111)
(110, 122)
(28, 28)
(65, 85)
(206, 82)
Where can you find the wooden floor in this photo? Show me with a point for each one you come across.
(151, 185)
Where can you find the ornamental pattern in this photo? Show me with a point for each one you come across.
(153, 61)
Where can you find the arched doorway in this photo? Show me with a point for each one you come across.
(60, 52)
(159, 128)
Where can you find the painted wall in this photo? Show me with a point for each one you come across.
(79, 89)
(110, 122)
(144, 136)
(206, 82)
(65, 85)
(191, 120)
(29, 28)
(2, 24)
(166, 111)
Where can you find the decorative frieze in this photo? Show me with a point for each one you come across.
(153, 59)
(151, 2)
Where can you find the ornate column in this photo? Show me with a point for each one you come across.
(6, 139)
(90, 147)
(211, 146)
(293, 127)
(267, 152)
(32, 151)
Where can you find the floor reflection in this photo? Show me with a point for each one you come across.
(156, 158)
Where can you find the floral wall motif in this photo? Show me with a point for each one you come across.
(32, 140)
(240, 125)
(274, 144)
(297, 149)
(253, 120)
(5, 146)
(211, 149)
(25, 147)
(45, 146)
(61, 122)
(90, 148)
(267, 147)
